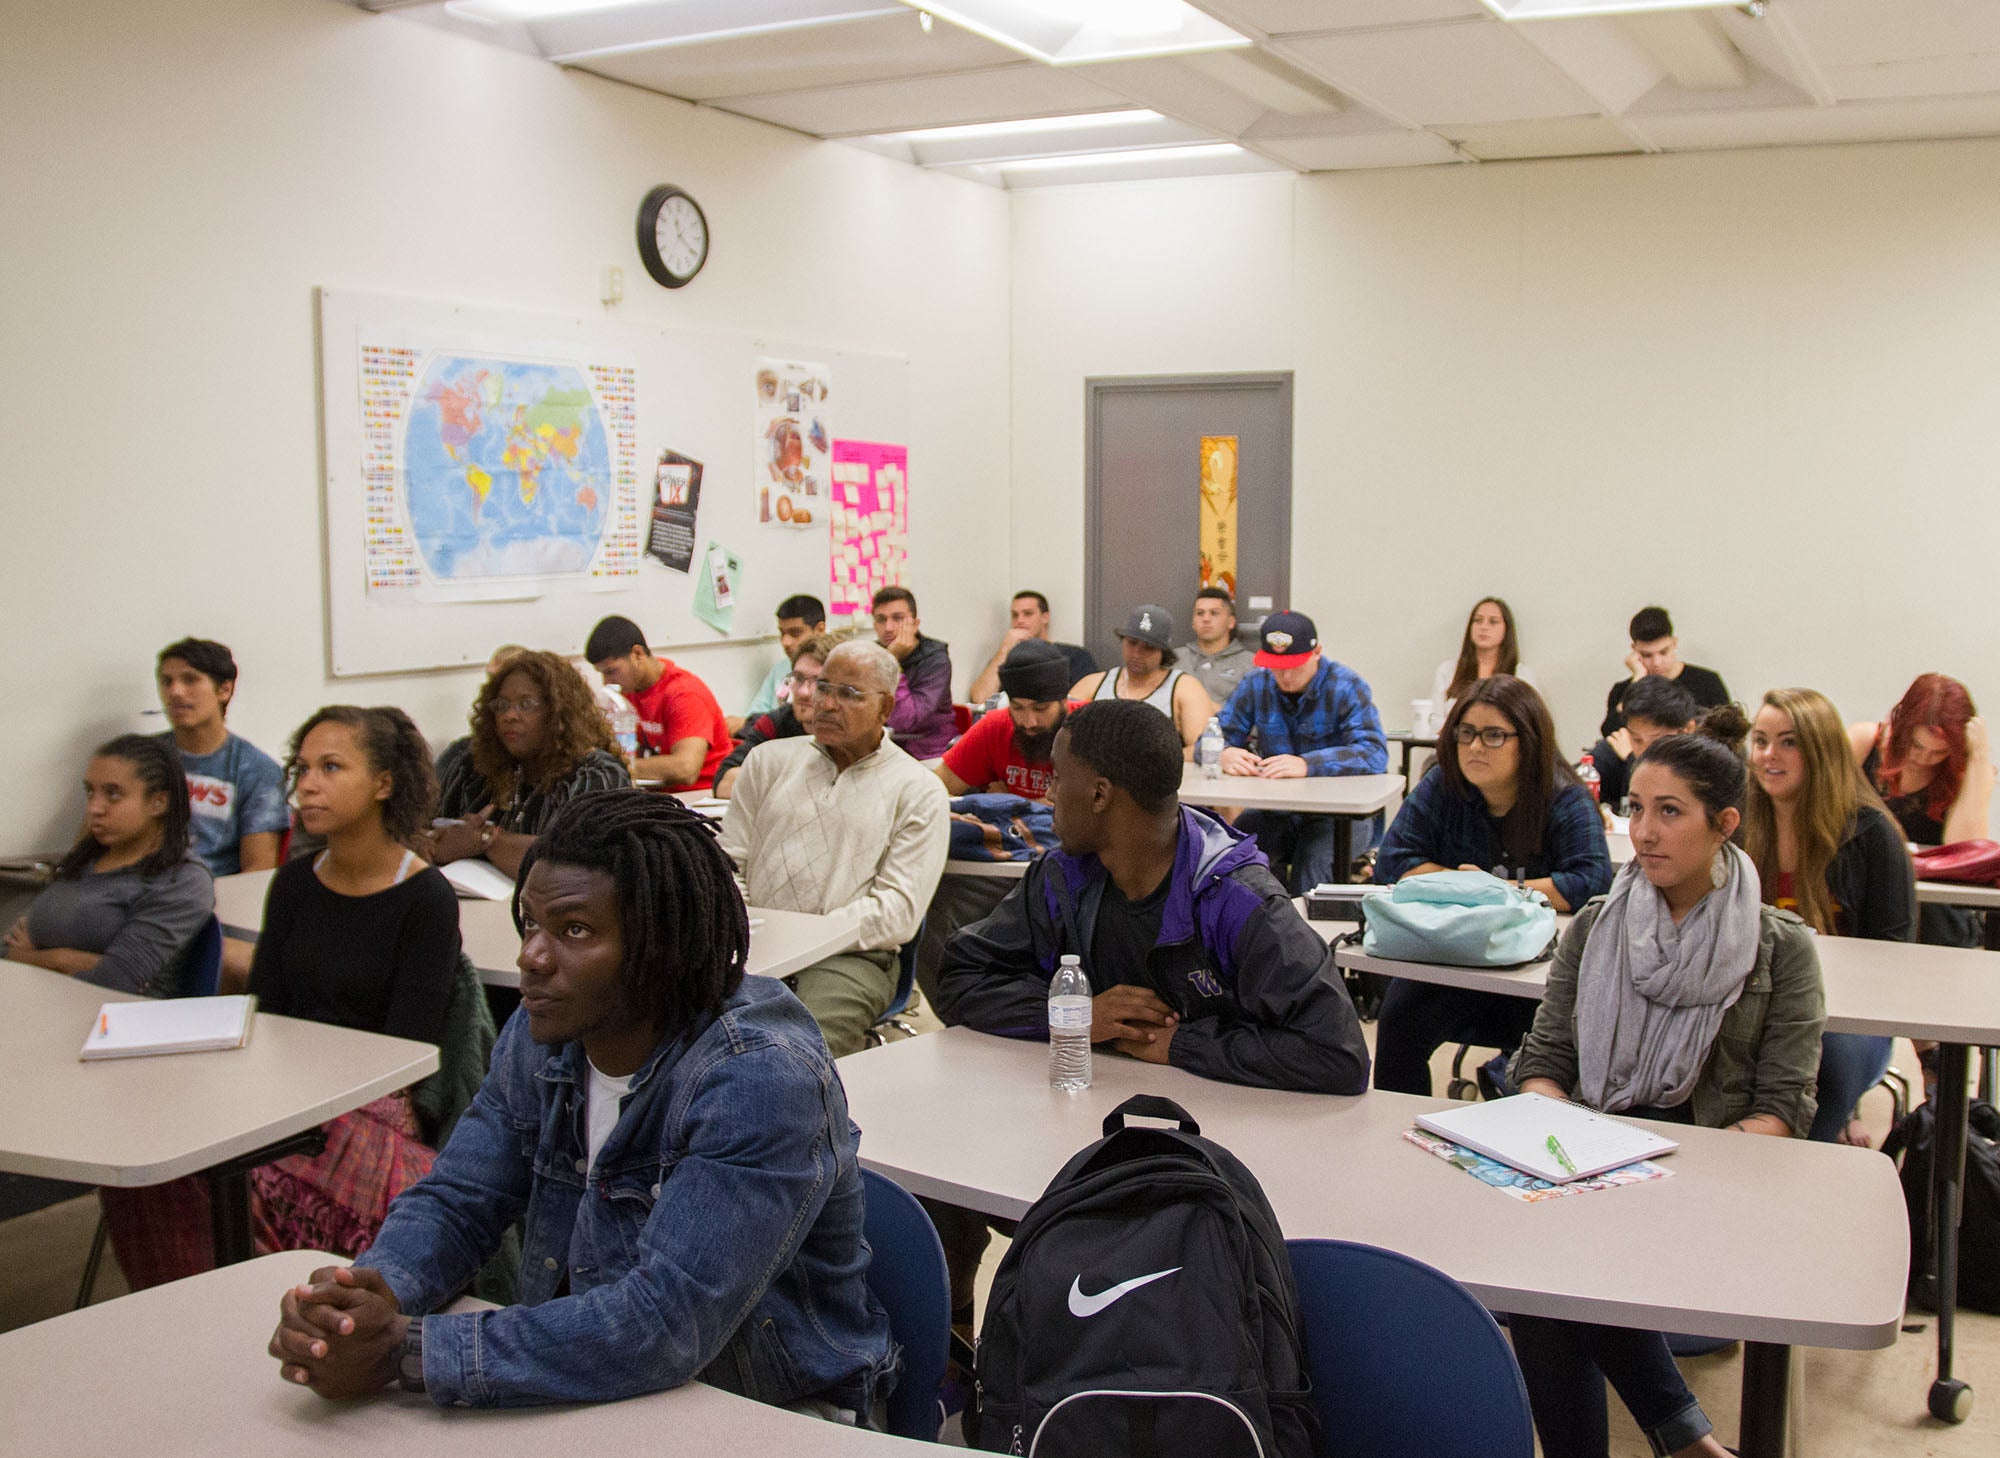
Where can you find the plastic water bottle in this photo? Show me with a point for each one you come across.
(1586, 771)
(625, 727)
(1069, 1027)
(1208, 750)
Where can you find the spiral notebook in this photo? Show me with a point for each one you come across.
(1518, 1132)
(171, 1025)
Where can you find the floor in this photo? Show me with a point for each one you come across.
(1851, 1404)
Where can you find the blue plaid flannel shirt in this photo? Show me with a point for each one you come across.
(1332, 726)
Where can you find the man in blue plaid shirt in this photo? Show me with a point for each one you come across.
(1306, 715)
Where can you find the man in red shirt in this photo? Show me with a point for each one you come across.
(682, 735)
(1008, 749)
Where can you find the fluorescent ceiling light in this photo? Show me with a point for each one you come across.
(1027, 126)
(1575, 9)
(1146, 155)
(1071, 32)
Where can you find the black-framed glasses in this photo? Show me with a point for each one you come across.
(1492, 736)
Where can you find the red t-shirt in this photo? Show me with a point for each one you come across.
(679, 706)
(987, 755)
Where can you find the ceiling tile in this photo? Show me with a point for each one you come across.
(1370, 149)
(1970, 116)
(1168, 85)
(876, 49)
(1289, 17)
(1868, 32)
(1942, 76)
(1574, 136)
(1002, 93)
(1438, 74)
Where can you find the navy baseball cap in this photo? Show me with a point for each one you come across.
(1288, 640)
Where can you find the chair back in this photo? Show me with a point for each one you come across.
(906, 1271)
(1405, 1363)
(962, 717)
(203, 977)
(906, 979)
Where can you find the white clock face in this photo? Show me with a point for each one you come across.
(681, 236)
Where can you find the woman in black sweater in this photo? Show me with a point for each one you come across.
(1826, 847)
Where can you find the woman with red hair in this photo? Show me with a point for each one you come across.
(1932, 763)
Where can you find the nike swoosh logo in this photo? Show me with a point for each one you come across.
(1082, 1305)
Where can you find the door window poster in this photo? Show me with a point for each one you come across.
(871, 523)
(1218, 512)
(676, 498)
(794, 437)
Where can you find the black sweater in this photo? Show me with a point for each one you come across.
(382, 963)
(1705, 685)
(1873, 883)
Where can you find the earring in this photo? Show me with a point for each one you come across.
(1718, 871)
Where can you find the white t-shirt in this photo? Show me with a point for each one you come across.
(1441, 685)
(602, 1100)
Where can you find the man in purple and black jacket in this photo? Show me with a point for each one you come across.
(1195, 955)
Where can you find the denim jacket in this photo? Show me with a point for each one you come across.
(719, 1235)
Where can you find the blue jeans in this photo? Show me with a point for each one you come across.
(1300, 847)
(1565, 1365)
(1849, 1065)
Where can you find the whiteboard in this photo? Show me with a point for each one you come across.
(695, 394)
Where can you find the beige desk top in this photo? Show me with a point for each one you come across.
(969, 1118)
(1951, 893)
(995, 870)
(139, 1121)
(1313, 795)
(781, 942)
(181, 1369)
(1887, 989)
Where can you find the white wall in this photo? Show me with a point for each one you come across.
(178, 178)
(1758, 387)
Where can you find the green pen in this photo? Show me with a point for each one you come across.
(1561, 1155)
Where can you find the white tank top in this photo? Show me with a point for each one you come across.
(1161, 698)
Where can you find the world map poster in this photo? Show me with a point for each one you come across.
(497, 473)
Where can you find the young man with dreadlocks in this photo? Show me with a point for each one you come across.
(670, 1135)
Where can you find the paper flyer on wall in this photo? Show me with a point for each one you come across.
(794, 435)
(676, 498)
(715, 587)
(1510, 1181)
(868, 546)
(495, 468)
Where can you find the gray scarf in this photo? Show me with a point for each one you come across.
(1650, 994)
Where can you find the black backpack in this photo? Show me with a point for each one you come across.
(1915, 1138)
(1145, 1308)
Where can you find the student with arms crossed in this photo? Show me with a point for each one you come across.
(129, 899)
(674, 1141)
(1499, 799)
(1308, 715)
(1147, 675)
(1826, 847)
(800, 617)
(1679, 996)
(537, 742)
(1028, 621)
(682, 736)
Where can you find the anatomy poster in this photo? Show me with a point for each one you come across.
(794, 439)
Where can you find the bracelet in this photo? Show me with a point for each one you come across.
(486, 837)
(410, 1358)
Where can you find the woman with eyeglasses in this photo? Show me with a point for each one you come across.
(1498, 799)
(791, 718)
(538, 741)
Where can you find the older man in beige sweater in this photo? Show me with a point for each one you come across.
(842, 822)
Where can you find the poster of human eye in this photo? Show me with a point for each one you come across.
(794, 439)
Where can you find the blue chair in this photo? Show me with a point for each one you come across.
(905, 995)
(1405, 1363)
(907, 1274)
(204, 964)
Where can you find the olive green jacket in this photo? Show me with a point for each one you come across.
(1765, 1059)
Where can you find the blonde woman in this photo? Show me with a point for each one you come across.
(1826, 847)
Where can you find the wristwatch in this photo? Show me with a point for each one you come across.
(486, 837)
(410, 1358)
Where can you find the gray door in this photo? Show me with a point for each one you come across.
(1142, 531)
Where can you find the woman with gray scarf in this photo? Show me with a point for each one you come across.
(1679, 996)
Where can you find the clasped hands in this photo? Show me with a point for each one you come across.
(1133, 1020)
(1277, 767)
(339, 1333)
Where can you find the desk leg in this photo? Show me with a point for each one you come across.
(1767, 1375)
(1343, 851)
(229, 1214)
(1950, 1399)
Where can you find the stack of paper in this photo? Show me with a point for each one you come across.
(174, 1025)
(1547, 1138)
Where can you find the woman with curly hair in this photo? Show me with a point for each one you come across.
(538, 741)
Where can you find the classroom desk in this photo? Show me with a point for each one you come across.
(1883, 989)
(1955, 893)
(970, 1119)
(995, 870)
(1346, 798)
(781, 942)
(1411, 743)
(142, 1121)
(182, 1368)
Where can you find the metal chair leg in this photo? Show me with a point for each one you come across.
(90, 1265)
(1460, 1086)
(1899, 1092)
